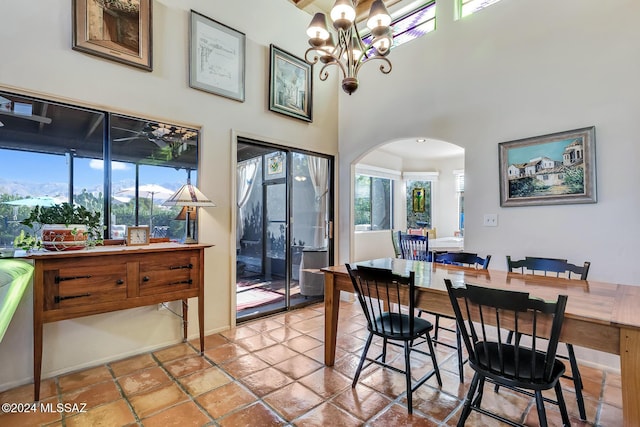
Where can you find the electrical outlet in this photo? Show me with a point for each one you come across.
(490, 220)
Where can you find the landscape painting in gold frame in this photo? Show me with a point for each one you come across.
(119, 30)
(554, 169)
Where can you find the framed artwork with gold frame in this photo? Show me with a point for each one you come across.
(417, 198)
(119, 30)
(553, 169)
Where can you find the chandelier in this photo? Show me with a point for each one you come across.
(351, 51)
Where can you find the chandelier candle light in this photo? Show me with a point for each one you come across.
(189, 195)
(351, 52)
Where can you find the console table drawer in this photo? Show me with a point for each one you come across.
(84, 285)
(168, 274)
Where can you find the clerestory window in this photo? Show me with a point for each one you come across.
(468, 7)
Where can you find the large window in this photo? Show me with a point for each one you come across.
(52, 153)
(373, 204)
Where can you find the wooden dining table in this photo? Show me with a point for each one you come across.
(599, 315)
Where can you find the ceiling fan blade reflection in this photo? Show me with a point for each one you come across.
(128, 139)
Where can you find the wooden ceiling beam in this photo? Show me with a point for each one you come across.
(301, 4)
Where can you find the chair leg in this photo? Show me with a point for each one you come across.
(562, 405)
(384, 350)
(407, 373)
(362, 359)
(466, 409)
(577, 382)
(437, 327)
(478, 400)
(459, 349)
(542, 416)
(433, 359)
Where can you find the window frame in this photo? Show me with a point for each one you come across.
(376, 173)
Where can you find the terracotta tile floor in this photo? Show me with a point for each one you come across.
(270, 372)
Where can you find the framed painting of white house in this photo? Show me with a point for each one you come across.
(554, 169)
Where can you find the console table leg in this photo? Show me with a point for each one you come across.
(185, 319)
(37, 359)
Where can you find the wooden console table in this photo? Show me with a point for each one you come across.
(73, 284)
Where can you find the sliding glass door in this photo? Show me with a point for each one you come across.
(284, 228)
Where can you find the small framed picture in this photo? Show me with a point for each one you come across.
(117, 30)
(290, 85)
(275, 165)
(216, 57)
(554, 169)
(138, 236)
(417, 199)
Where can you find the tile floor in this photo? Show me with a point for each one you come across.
(270, 372)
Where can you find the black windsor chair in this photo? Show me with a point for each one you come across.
(466, 259)
(560, 268)
(387, 301)
(414, 247)
(481, 313)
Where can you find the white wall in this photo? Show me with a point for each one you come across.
(514, 70)
(37, 57)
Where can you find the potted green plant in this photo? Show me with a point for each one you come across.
(60, 227)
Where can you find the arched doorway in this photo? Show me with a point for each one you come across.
(435, 166)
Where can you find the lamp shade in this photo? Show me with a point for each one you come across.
(188, 195)
(343, 14)
(318, 27)
(182, 215)
(378, 15)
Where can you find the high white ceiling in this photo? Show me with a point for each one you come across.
(429, 149)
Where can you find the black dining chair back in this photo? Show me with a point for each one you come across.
(483, 315)
(387, 301)
(559, 268)
(466, 259)
(414, 247)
